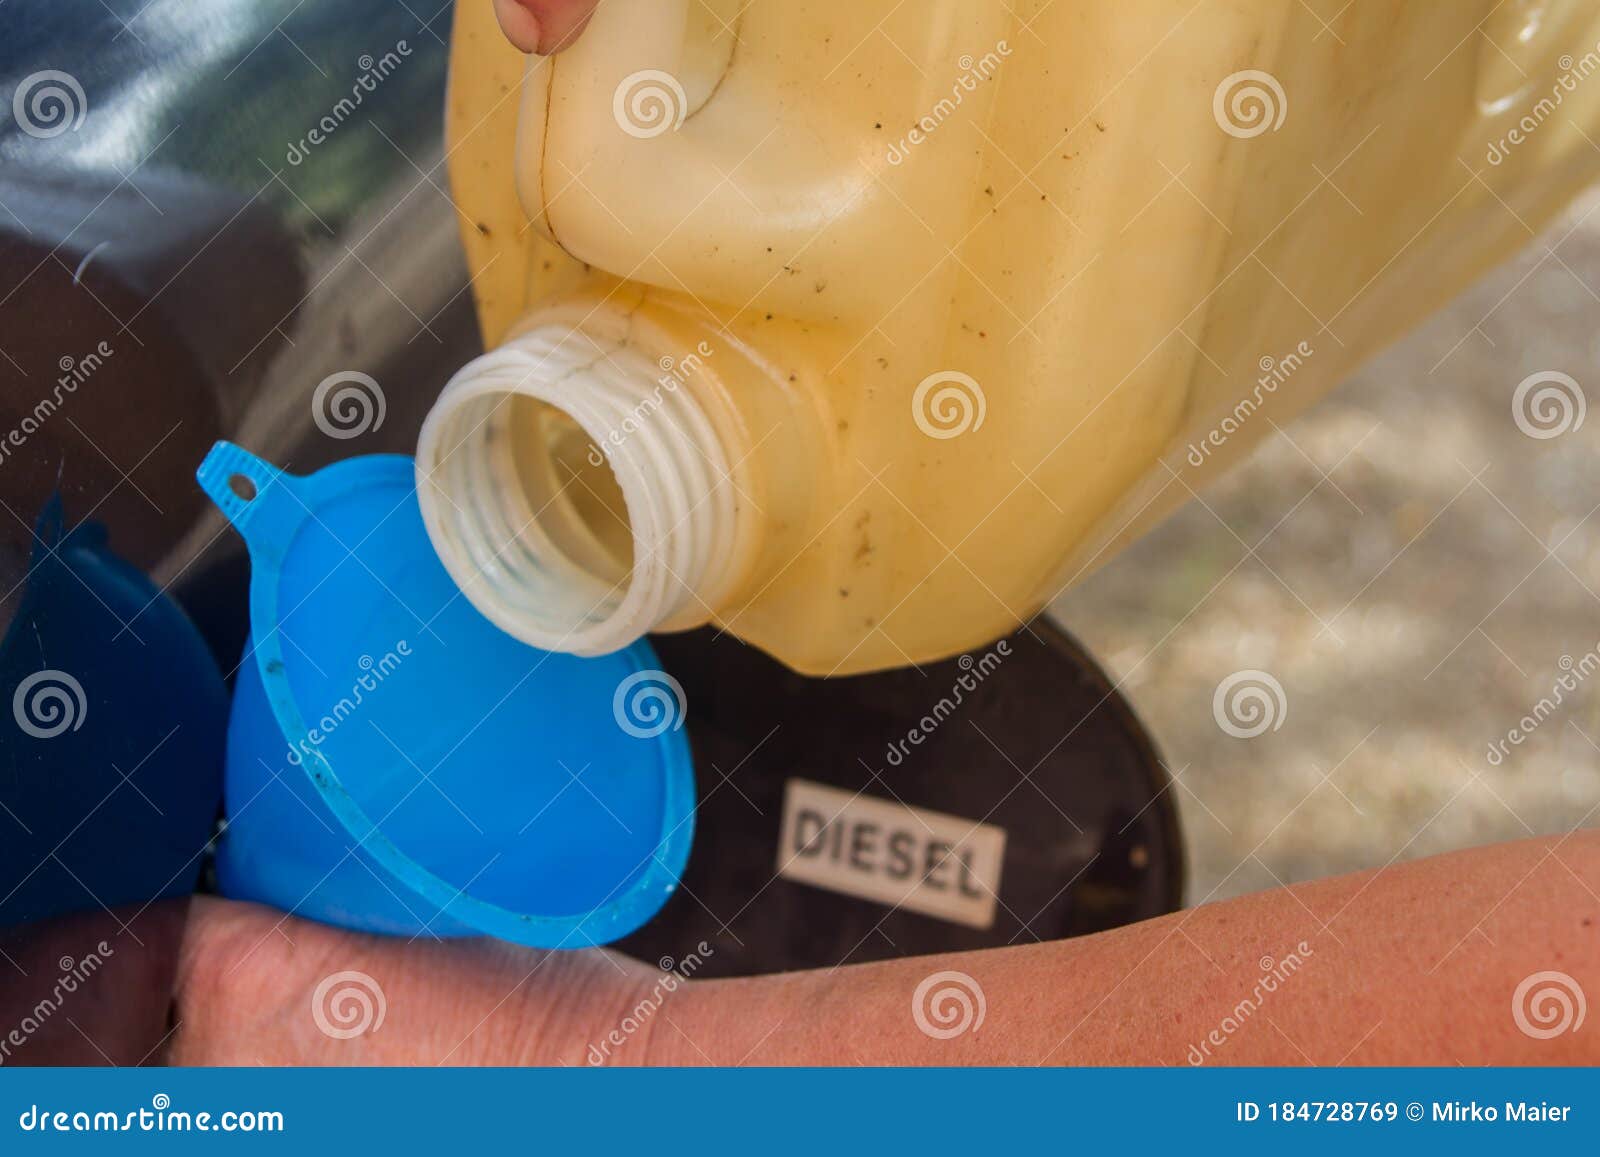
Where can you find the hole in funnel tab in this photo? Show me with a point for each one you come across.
(243, 487)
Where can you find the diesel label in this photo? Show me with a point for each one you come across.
(875, 849)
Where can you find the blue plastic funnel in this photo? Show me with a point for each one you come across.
(398, 764)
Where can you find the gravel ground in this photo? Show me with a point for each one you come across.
(1421, 568)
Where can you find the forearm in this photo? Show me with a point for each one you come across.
(1417, 963)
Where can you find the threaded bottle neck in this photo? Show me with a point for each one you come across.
(579, 496)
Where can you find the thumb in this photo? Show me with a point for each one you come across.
(543, 26)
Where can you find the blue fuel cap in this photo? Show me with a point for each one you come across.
(398, 764)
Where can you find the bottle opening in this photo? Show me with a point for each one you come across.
(571, 489)
(577, 500)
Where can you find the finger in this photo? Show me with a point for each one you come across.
(543, 26)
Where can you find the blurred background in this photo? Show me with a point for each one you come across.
(1415, 571)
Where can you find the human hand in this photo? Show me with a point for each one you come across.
(543, 26)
